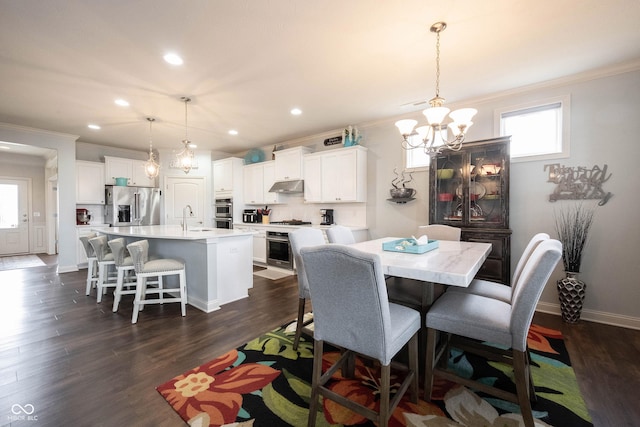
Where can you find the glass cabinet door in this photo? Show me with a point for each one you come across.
(487, 188)
(447, 208)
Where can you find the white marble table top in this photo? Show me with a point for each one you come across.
(174, 232)
(452, 263)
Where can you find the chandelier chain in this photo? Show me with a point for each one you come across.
(438, 64)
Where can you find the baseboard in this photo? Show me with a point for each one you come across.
(594, 316)
(67, 268)
(206, 306)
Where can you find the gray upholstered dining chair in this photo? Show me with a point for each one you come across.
(299, 239)
(124, 267)
(500, 291)
(488, 326)
(341, 235)
(105, 260)
(440, 232)
(145, 268)
(351, 311)
(92, 261)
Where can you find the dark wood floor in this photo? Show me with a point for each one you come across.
(80, 364)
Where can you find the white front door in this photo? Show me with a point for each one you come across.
(180, 192)
(14, 216)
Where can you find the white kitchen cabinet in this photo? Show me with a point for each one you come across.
(89, 183)
(313, 178)
(288, 163)
(257, 180)
(342, 177)
(227, 177)
(133, 170)
(268, 178)
(259, 242)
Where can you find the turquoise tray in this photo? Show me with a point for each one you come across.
(397, 246)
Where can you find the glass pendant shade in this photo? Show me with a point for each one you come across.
(435, 115)
(406, 126)
(463, 115)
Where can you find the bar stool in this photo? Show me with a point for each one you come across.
(159, 268)
(92, 261)
(125, 269)
(105, 259)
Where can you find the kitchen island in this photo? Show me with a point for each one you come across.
(219, 265)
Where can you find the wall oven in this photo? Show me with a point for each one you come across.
(223, 213)
(279, 250)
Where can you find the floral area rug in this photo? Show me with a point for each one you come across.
(267, 383)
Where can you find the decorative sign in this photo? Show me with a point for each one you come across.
(578, 182)
(333, 141)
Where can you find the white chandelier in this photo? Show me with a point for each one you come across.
(433, 136)
(185, 158)
(151, 167)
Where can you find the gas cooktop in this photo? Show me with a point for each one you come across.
(290, 222)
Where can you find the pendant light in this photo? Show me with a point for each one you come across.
(185, 158)
(151, 167)
(433, 136)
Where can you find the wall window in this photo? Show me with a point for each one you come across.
(416, 158)
(538, 130)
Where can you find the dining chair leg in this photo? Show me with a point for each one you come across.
(532, 388)
(103, 274)
(315, 382)
(117, 294)
(91, 273)
(522, 387)
(429, 364)
(385, 385)
(414, 366)
(299, 323)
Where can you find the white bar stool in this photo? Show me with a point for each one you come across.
(92, 262)
(125, 269)
(159, 268)
(105, 259)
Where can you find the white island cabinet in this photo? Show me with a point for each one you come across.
(219, 265)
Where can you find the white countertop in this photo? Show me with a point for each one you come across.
(174, 232)
(259, 225)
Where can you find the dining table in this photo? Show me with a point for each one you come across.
(417, 279)
(451, 263)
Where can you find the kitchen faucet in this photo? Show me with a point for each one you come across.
(184, 216)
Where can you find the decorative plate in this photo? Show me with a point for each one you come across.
(475, 188)
(255, 155)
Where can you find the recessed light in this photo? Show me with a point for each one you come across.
(121, 102)
(296, 111)
(233, 132)
(173, 59)
(94, 127)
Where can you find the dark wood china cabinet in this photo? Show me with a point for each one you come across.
(469, 189)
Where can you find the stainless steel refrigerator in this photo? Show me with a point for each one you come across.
(131, 206)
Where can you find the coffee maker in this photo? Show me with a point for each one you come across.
(82, 217)
(327, 216)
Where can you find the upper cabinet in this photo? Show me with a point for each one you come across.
(133, 170)
(89, 183)
(257, 180)
(336, 176)
(288, 163)
(227, 177)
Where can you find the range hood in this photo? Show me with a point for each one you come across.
(293, 186)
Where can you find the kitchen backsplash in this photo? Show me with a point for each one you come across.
(349, 214)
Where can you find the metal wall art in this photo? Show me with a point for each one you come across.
(579, 182)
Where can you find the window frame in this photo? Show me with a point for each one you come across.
(565, 123)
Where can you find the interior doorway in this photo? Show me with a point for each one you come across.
(15, 194)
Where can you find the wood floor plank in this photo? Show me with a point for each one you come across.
(80, 364)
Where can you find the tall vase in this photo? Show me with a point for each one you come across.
(571, 292)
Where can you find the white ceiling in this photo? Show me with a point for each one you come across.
(247, 63)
